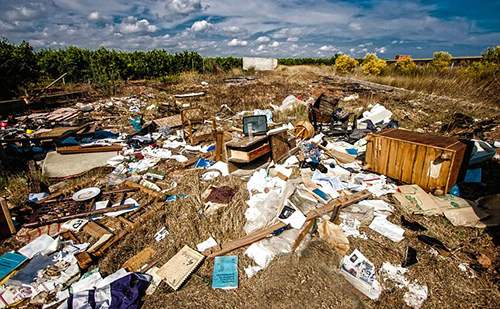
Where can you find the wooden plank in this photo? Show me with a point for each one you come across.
(219, 145)
(95, 230)
(87, 149)
(418, 138)
(84, 259)
(385, 145)
(424, 176)
(263, 233)
(240, 156)
(409, 160)
(33, 177)
(391, 163)
(444, 176)
(141, 258)
(419, 164)
(402, 156)
(302, 234)
(7, 227)
(370, 155)
(342, 157)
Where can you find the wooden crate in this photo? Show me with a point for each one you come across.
(432, 162)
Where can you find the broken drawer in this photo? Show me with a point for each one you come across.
(248, 155)
(432, 162)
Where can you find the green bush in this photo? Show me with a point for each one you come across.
(372, 65)
(345, 64)
(486, 69)
(440, 62)
(406, 67)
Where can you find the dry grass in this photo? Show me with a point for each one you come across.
(451, 85)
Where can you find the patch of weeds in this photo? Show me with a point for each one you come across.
(15, 187)
(170, 78)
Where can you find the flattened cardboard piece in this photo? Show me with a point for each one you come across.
(178, 269)
(459, 211)
(415, 200)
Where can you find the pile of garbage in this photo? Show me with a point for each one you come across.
(316, 179)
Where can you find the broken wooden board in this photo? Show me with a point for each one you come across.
(141, 258)
(241, 156)
(263, 233)
(95, 230)
(178, 269)
(279, 146)
(171, 121)
(87, 149)
(7, 227)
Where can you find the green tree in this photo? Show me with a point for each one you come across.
(18, 68)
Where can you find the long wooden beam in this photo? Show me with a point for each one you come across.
(341, 202)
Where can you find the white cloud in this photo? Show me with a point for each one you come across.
(201, 26)
(261, 47)
(287, 32)
(419, 47)
(327, 48)
(355, 26)
(381, 50)
(262, 39)
(394, 42)
(232, 29)
(274, 44)
(236, 42)
(292, 39)
(132, 25)
(184, 6)
(96, 16)
(21, 13)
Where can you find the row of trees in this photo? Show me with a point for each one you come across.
(21, 66)
(487, 68)
(308, 61)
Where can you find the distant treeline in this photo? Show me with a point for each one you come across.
(307, 61)
(22, 67)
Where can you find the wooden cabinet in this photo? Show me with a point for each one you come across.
(430, 161)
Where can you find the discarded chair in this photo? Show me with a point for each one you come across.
(327, 117)
(196, 126)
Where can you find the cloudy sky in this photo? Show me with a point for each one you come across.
(274, 28)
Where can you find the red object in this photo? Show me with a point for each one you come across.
(138, 156)
(300, 98)
(4, 124)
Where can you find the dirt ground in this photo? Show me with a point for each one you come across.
(310, 278)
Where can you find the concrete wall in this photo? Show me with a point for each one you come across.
(260, 64)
